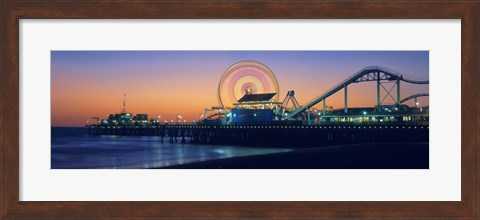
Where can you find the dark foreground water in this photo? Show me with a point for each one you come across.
(73, 148)
(353, 156)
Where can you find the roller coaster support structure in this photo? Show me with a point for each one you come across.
(372, 73)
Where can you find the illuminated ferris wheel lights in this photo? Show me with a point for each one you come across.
(246, 77)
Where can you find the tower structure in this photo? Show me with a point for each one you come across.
(124, 109)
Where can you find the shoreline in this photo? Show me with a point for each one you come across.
(355, 156)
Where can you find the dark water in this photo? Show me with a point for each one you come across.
(73, 148)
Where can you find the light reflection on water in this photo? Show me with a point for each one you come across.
(79, 151)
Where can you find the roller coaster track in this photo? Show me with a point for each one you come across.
(210, 117)
(369, 73)
(413, 96)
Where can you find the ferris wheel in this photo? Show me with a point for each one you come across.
(246, 77)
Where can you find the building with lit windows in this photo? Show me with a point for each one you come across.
(252, 109)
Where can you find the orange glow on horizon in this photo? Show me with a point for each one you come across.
(80, 91)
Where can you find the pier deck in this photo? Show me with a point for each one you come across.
(274, 136)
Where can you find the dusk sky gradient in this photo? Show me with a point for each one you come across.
(92, 83)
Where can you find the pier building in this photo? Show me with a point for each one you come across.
(252, 109)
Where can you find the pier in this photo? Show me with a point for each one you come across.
(275, 136)
(258, 119)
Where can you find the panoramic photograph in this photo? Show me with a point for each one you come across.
(239, 110)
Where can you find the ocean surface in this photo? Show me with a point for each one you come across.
(73, 148)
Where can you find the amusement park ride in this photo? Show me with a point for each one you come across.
(248, 95)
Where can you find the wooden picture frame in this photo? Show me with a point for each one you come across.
(12, 11)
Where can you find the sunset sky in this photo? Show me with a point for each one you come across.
(166, 83)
